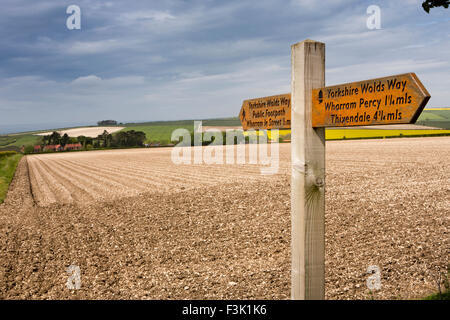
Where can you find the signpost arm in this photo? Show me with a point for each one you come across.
(308, 174)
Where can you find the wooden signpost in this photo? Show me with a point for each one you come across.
(395, 99)
(307, 111)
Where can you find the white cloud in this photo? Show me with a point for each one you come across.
(159, 16)
(124, 81)
(91, 47)
(87, 80)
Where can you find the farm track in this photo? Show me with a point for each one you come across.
(141, 227)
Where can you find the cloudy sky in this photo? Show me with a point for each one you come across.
(166, 60)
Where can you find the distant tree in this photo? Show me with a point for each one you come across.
(82, 140)
(54, 138)
(107, 123)
(98, 139)
(109, 139)
(137, 138)
(120, 139)
(65, 139)
(104, 138)
(89, 140)
(129, 139)
(428, 4)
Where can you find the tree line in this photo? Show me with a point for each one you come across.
(123, 139)
(107, 123)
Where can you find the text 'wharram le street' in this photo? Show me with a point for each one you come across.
(267, 113)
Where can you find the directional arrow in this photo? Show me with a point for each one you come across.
(390, 100)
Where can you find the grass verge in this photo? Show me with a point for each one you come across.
(438, 296)
(8, 165)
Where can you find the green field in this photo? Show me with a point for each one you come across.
(26, 139)
(234, 121)
(6, 140)
(161, 131)
(435, 117)
(427, 116)
(18, 140)
(8, 165)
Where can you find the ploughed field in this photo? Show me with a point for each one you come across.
(140, 226)
(85, 177)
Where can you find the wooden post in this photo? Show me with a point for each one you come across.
(308, 175)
